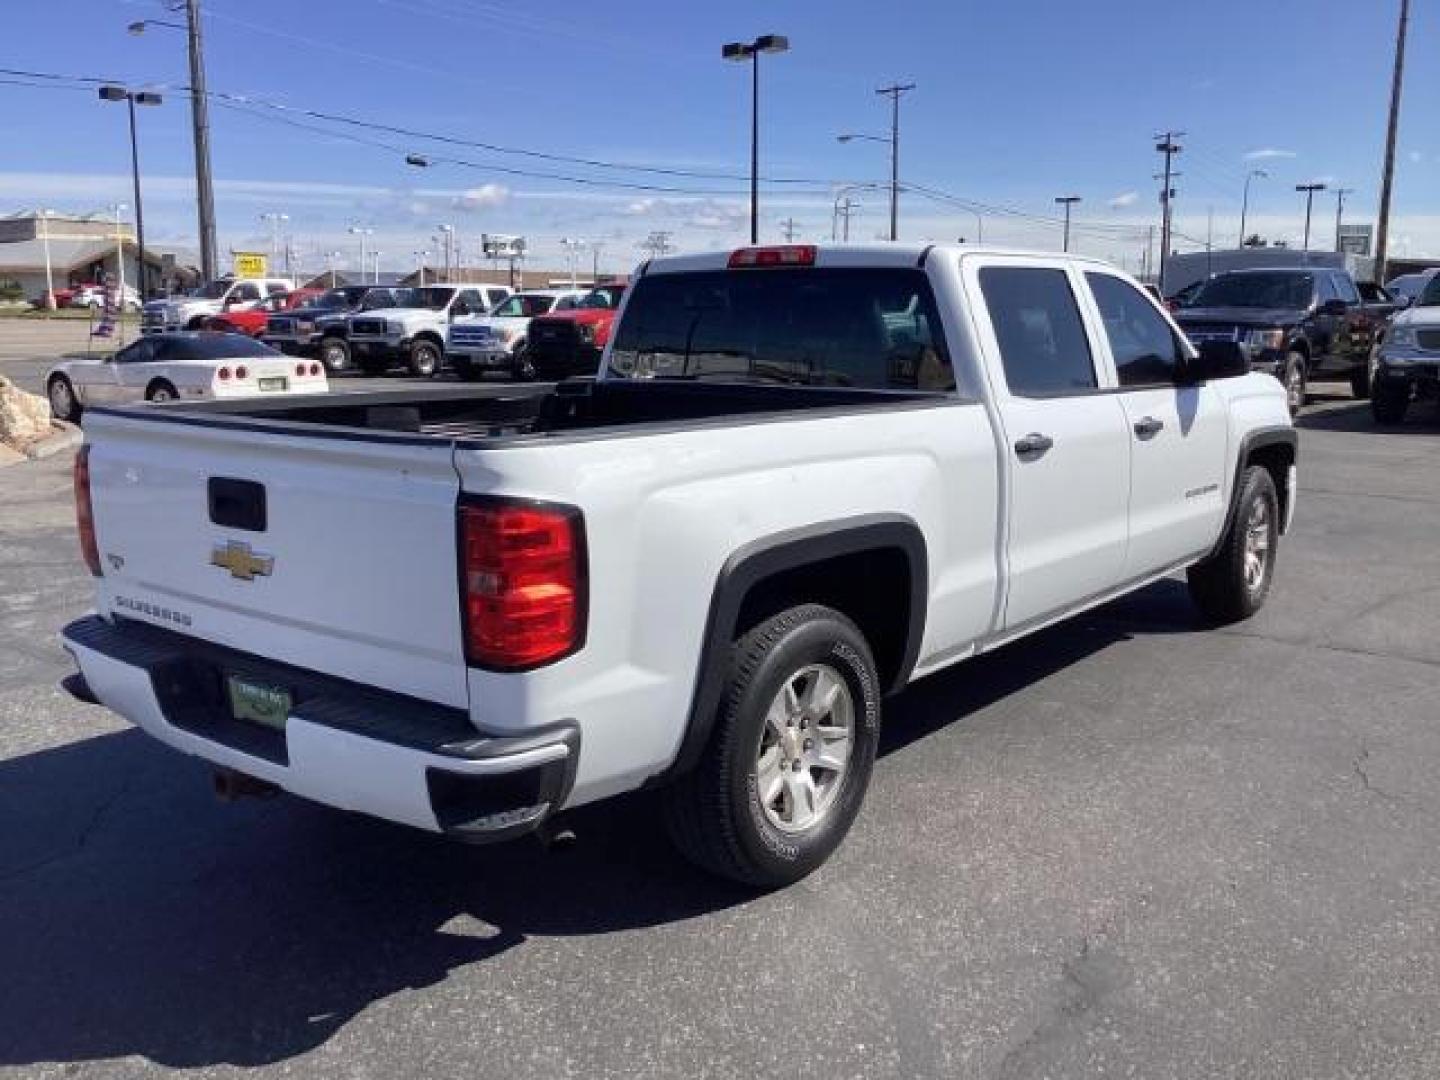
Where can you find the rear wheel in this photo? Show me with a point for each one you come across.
(335, 354)
(63, 405)
(1389, 401)
(791, 753)
(161, 391)
(424, 359)
(1233, 582)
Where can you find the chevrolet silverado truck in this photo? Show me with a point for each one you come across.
(190, 312)
(319, 328)
(565, 344)
(1294, 324)
(804, 478)
(415, 333)
(1405, 367)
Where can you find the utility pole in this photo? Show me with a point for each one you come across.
(1340, 193)
(595, 247)
(1166, 144)
(1387, 175)
(200, 122)
(787, 227)
(1067, 201)
(846, 207)
(1309, 192)
(894, 90)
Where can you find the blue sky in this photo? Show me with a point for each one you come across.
(1015, 103)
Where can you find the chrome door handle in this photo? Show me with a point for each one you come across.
(1033, 445)
(1148, 426)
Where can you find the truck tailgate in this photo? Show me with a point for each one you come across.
(331, 553)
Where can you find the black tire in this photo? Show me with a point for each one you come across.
(197, 323)
(1389, 401)
(161, 390)
(715, 814)
(522, 365)
(424, 359)
(63, 403)
(1360, 382)
(1221, 586)
(1292, 377)
(335, 354)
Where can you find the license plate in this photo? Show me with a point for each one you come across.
(257, 702)
(279, 382)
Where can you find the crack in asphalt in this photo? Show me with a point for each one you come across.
(87, 832)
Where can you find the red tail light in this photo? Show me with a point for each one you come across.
(84, 514)
(522, 571)
(784, 255)
(223, 374)
(299, 369)
(242, 372)
(314, 369)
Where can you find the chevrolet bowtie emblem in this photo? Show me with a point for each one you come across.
(236, 556)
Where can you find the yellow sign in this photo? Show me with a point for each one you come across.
(249, 264)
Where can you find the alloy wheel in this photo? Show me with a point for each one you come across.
(805, 748)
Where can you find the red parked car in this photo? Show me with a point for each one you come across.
(566, 343)
(251, 321)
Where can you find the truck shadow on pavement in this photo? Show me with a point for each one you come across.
(140, 917)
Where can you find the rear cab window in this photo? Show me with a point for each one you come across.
(869, 328)
(1044, 350)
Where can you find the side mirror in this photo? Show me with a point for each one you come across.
(1217, 360)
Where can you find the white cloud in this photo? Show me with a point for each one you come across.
(1267, 152)
(479, 198)
(1416, 156)
(640, 207)
(1124, 199)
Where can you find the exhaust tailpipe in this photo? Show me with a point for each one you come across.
(231, 785)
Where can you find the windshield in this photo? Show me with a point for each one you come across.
(1256, 290)
(606, 297)
(873, 328)
(334, 298)
(524, 306)
(433, 297)
(213, 291)
(218, 347)
(1431, 296)
(384, 298)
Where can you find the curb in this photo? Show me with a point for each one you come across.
(67, 438)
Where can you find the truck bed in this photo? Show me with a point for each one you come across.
(509, 412)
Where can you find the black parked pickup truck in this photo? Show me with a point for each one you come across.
(319, 328)
(1295, 324)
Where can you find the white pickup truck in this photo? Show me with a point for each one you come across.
(188, 312)
(415, 334)
(804, 478)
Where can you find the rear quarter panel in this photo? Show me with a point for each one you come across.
(663, 513)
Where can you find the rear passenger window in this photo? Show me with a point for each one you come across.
(1037, 324)
(1346, 288)
(1326, 286)
(1144, 348)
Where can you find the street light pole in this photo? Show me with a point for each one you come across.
(356, 230)
(1309, 190)
(131, 99)
(740, 51)
(1340, 194)
(1067, 201)
(1245, 200)
(49, 274)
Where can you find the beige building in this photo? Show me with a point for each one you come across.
(79, 249)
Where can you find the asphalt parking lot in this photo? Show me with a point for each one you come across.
(1129, 846)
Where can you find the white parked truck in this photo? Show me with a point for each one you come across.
(414, 335)
(803, 479)
(190, 311)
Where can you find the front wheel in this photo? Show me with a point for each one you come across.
(335, 354)
(424, 359)
(1292, 376)
(790, 755)
(63, 405)
(1389, 401)
(523, 365)
(1232, 583)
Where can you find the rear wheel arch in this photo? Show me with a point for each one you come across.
(160, 383)
(871, 568)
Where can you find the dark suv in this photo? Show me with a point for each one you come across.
(319, 329)
(1295, 324)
